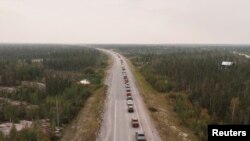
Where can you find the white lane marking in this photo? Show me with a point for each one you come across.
(115, 122)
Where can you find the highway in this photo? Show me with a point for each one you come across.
(116, 124)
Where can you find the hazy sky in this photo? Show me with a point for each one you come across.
(125, 21)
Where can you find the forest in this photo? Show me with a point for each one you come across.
(40, 83)
(203, 90)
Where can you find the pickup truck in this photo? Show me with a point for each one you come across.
(140, 136)
(135, 122)
(130, 109)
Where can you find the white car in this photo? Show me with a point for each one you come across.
(129, 102)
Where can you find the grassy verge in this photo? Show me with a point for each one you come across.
(86, 126)
(162, 112)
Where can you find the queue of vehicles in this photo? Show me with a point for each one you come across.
(139, 136)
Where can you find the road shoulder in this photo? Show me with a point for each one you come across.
(161, 111)
(86, 126)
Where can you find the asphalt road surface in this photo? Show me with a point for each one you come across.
(116, 124)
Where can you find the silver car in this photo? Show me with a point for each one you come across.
(140, 136)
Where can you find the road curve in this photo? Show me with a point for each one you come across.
(116, 125)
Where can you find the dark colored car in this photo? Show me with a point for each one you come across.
(130, 109)
(135, 122)
(128, 94)
(128, 90)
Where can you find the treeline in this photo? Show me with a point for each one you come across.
(12, 72)
(28, 68)
(204, 92)
(18, 63)
(73, 60)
